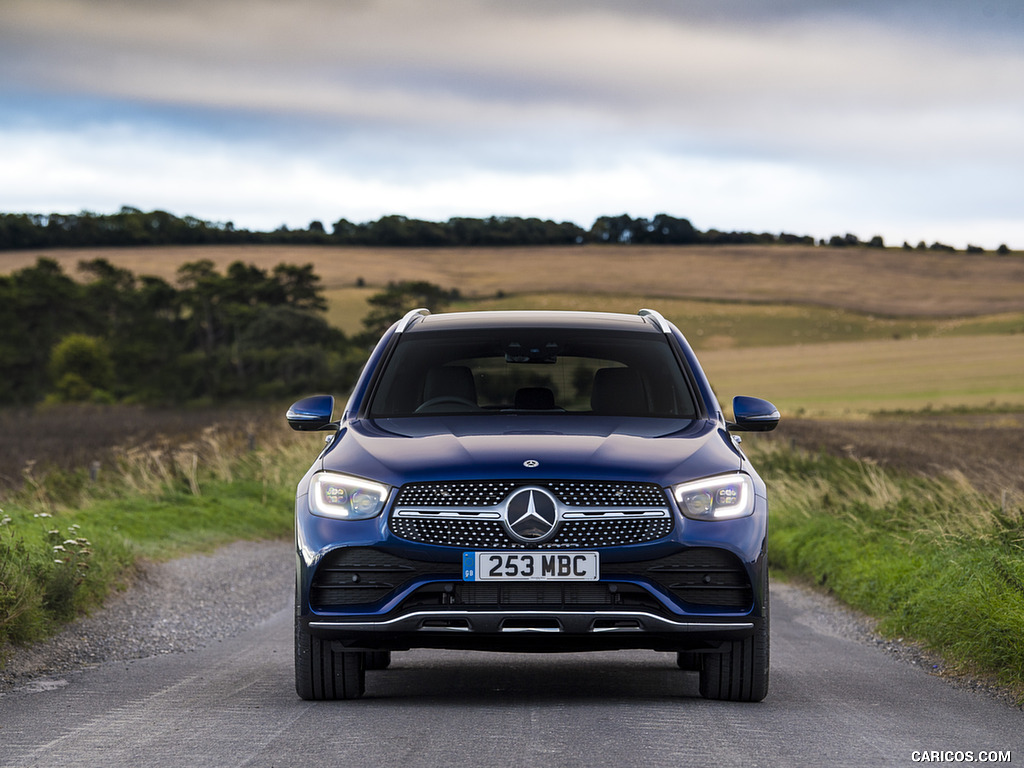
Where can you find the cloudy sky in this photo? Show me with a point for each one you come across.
(903, 118)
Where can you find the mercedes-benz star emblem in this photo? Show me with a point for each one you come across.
(531, 463)
(530, 514)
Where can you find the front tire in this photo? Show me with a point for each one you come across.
(325, 672)
(740, 672)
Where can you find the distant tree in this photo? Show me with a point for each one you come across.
(876, 242)
(664, 230)
(1002, 250)
(389, 306)
(613, 229)
(345, 232)
(200, 293)
(38, 306)
(299, 287)
(838, 242)
(108, 294)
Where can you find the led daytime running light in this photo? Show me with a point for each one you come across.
(346, 498)
(718, 498)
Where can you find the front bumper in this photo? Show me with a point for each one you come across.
(366, 589)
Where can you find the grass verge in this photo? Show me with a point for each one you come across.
(67, 541)
(931, 558)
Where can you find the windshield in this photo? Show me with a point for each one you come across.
(537, 371)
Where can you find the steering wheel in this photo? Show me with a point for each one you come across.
(446, 399)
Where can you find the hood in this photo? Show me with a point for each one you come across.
(406, 450)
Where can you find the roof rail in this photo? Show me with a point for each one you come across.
(655, 317)
(410, 316)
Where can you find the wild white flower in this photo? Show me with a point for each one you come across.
(5, 519)
(59, 562)
(42, 514)
(58, 548)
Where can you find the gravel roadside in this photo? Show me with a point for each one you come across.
(181, 605)
(172, 607)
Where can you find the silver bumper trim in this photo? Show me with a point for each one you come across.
(596, 622)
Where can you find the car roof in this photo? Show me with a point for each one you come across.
(607, 321)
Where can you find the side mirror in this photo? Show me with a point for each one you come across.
(312, 414)
(753, 414)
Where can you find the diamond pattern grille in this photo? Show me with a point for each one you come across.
(596, 499)
(489, 493)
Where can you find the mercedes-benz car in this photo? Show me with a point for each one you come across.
(532, 481)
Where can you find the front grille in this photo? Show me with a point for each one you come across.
(574, 493)
(469, 514)
(488, 534)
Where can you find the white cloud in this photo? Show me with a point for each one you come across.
(810, 123)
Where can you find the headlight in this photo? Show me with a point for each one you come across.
(346, 498)
(716, 498)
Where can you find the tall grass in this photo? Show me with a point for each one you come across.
(931, 558)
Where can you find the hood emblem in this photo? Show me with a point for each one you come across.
(531, 514)
(531, 463)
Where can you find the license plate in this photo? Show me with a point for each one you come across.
(530, 566)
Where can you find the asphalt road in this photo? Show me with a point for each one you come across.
(834, 700)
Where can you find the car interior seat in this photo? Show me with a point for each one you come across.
(534, 399)
(618, 391)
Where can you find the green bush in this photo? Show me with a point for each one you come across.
(82, 369)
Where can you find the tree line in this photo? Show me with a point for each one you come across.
(114, 336)
(133, 227)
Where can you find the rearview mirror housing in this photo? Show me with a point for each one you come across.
(312, 414)
(752, 414)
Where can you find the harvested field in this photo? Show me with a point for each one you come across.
(860, 377)
(986, 449)
(891, 282)
(71, 437)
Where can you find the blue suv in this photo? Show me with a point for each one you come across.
(531, 481)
